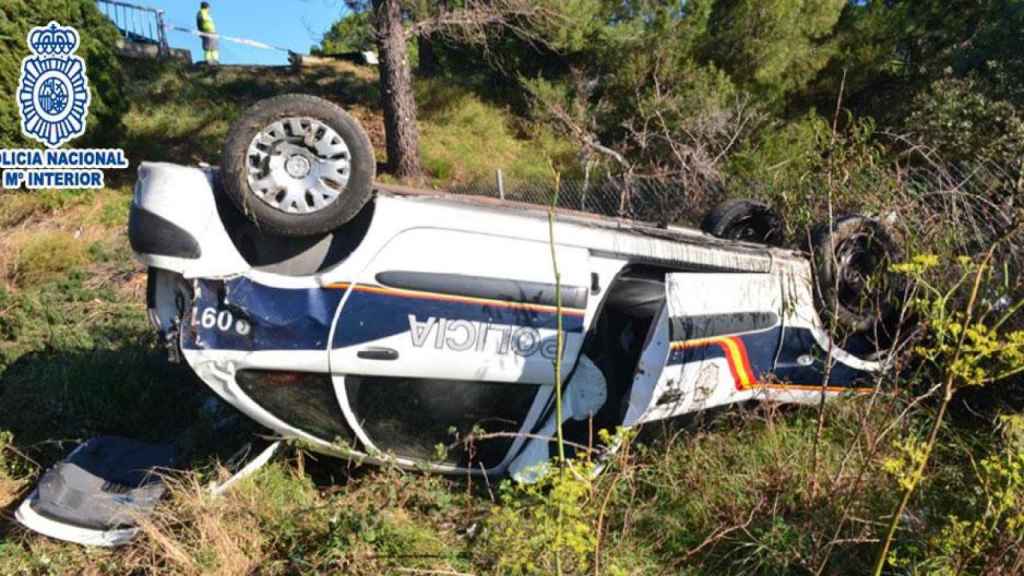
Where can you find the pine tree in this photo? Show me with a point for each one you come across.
(772, 47)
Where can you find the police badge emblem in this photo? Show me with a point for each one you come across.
(53, 92)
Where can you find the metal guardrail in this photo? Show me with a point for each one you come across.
(137, 24)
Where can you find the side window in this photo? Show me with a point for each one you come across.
(473, 423)
(448, 333)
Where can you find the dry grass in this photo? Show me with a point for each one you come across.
(195, 533)
(56, 233)
(279, 522)
(44, 255)
(340, 67)
(10, 491)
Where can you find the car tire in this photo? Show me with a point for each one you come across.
(746, 220)
(854, 285)
(298, 165)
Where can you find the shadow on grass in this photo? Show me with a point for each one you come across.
(52, 400)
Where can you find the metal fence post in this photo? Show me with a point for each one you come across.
(161, 33)
(501, 185)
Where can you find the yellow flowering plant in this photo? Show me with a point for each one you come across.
(968, 343)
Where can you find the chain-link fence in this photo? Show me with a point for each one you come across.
(637, 199)
(964, 207)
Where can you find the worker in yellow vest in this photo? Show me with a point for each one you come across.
(204, 22)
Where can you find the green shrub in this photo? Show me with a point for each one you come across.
(961, 123)
(803, 165)
(351, 33)
(976, 518)
(547, 524)
(758, 492)
(115, 211)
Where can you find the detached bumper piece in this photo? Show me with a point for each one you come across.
(97, 494)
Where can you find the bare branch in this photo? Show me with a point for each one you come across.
(476, 21)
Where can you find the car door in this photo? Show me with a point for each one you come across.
(724, 332)
(448, 332)
(653, 375)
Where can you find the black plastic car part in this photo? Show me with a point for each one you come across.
(149, 233)
(106, 483)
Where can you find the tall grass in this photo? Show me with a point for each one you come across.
(465, 140)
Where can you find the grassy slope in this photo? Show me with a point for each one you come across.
(183, 115)
(739, 495)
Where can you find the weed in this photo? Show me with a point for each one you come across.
(966, 347)
(198, 534)
(16, 208)
(46, 256)
(543, 524)
(279, 521)
(11, 470)
(114, 213)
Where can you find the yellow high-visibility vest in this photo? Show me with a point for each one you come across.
(205, 22)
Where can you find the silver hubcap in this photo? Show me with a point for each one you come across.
(298, 165)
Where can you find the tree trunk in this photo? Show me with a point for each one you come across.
(428, 59)
(426, 43)
(401, 131)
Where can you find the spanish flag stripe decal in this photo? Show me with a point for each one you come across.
(744, 359)
(402, 293)
(743, 375)
(735, 357)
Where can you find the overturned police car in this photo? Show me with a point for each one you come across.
(385, 323)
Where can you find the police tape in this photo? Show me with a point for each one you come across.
(235, 39)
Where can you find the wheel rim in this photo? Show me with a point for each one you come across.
(747, 229)
(751, 228)
(298, 165)
(859, 260)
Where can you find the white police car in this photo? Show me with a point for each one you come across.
(421, 327)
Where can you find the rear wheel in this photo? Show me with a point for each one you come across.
(855, 287)
(298, 165)
(746, 220)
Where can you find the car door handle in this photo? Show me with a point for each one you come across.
(378, 354)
